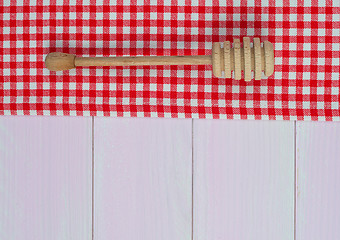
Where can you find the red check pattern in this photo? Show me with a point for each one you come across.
(305, 34)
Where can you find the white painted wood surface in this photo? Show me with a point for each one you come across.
(142, 187)
(45, 178)
(243, 174)
(318, 181)
(243, 180)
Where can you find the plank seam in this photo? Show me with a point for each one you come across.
(295, 179)
(92, 182)
(192, 179)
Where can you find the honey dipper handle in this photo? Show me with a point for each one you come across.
(140, 61)
(62, 61)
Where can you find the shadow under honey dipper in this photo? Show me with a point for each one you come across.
(236, 58)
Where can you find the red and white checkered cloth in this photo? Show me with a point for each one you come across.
(305, 35)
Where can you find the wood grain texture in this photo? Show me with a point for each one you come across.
(227, 64)
(243, 180)
(45, 178)
(257, 59)
(216, 56)
(318, 181)
(143, 176)
(247, 58)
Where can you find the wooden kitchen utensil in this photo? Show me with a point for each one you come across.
(248, 58)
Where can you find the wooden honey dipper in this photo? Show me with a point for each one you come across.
(225, 59)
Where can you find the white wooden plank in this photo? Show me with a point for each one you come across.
(243, 180)
(318, 181)
(143, 175)
(45, 178)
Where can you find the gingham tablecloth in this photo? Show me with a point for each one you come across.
(305, 35)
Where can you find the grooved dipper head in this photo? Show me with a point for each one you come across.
(244, 58)
(57, 61)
